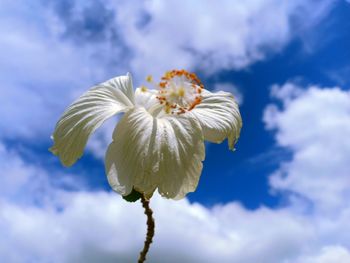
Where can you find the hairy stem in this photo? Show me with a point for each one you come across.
(150, 229)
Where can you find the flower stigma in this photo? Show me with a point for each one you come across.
(179, 91)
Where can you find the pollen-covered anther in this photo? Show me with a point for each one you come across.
(180, 91)
(197, 101)
(149, 78)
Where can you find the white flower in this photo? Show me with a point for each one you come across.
(159, 142)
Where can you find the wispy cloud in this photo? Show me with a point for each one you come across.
(314, 125)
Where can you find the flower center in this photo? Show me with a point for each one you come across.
(179, 91)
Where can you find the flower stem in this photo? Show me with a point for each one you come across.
(150, 229)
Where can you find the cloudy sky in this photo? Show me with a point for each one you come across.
(281, 197)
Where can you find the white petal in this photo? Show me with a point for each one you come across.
(145, 98)
(124, 84)
(133, 153)
(87, 113)
(182, 152)
(219, 117)
(148, 152)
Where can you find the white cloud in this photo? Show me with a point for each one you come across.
(83, 226)
(80, 226)
(101, 227)
(41, 70)
(314, 124)
(50, 52)
(215, 36)
(329, 254)
(28, 183)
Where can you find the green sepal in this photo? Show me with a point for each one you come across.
(133, 196)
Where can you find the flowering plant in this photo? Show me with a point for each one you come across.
(159, 142)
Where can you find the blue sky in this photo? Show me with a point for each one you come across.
(281, 195)
(247, 181)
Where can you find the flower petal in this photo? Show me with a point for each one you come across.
(182, 152)
(219, 117)
(149, 152)
(87, 113)
(133, 153)
(147, 98)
